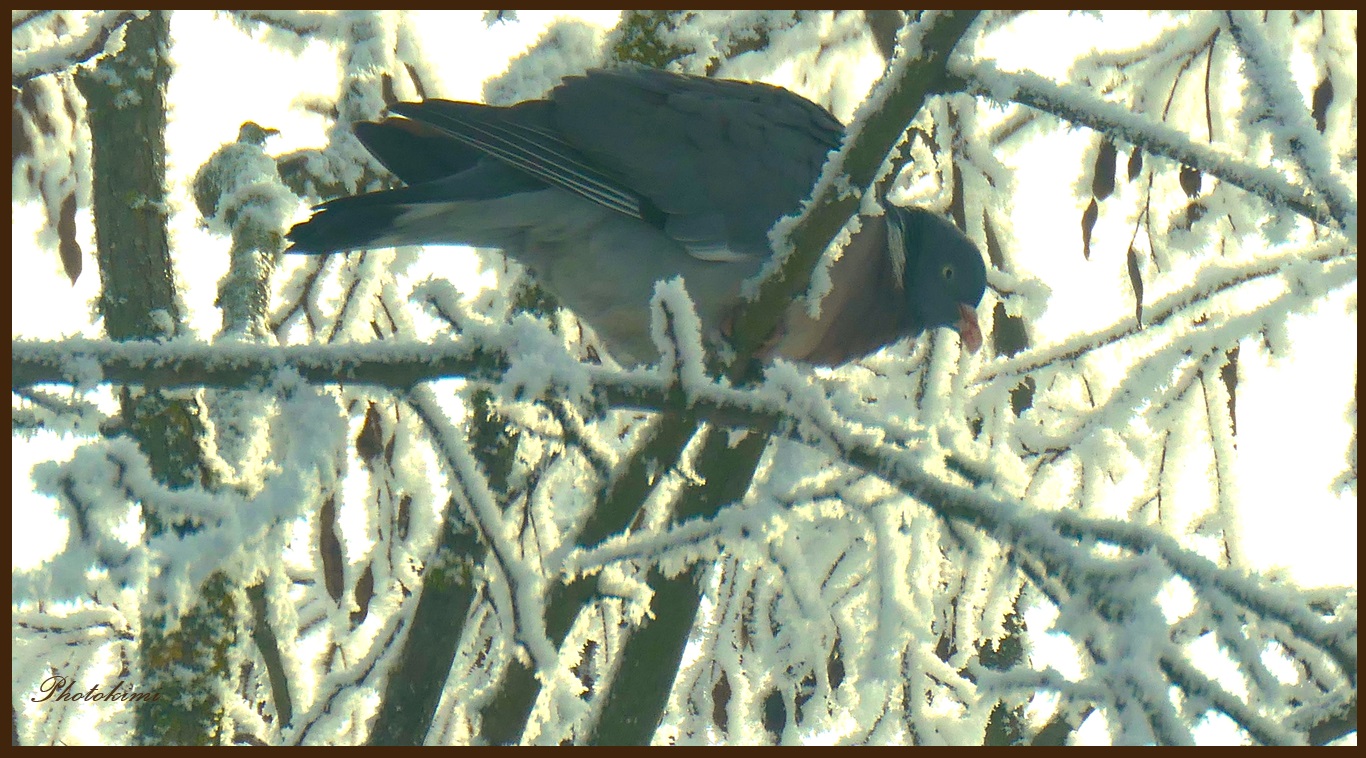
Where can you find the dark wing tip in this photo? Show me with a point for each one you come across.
(339, 226)
(412, 150)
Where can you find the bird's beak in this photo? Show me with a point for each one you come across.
(968, 328)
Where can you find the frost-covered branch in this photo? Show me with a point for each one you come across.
(1195, 684)
(19, 18)
(340, 683)
(523, 595)
(1286, 109)
(76, 627)
(1058, 538)
(212, 528)
(1017, 524)
(85, 363)
(1079, 587)
(49, 411)
(307, 24)
(795, 413)
(915, 75)
(1073, 104)
(1187, 355)
(93, 41)
(238, 191)
(1338, 264)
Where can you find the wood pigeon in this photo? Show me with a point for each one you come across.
(623, 177)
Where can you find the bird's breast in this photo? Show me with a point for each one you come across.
(606, 274)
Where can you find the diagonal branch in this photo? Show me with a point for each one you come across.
(857, 164)
(911, 79)
(1338, 266)
(1079, 107)
(1287, 109)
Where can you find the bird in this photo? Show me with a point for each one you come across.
(622, 177)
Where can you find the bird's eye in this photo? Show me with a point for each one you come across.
(948, 273)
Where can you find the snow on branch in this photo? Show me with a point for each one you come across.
(84, 363)
(523, 595)
(1171, 366)
(798, 245)
(97, 486)
(1290, 117)
(100, 29)
(1063, 544)
(1058, 536)
(1061, 538)
(1074, 104)
(342, 682)
(303, 24)
(1338, 268)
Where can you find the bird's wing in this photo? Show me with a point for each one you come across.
(713, 163)
(415, 152)
(523, 137)
(722, 160)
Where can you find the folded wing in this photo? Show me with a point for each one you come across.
(713, 163)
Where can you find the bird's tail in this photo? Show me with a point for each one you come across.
(454, 196)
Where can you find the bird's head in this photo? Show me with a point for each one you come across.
(944, 276)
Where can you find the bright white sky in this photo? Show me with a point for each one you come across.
(1286, 436)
